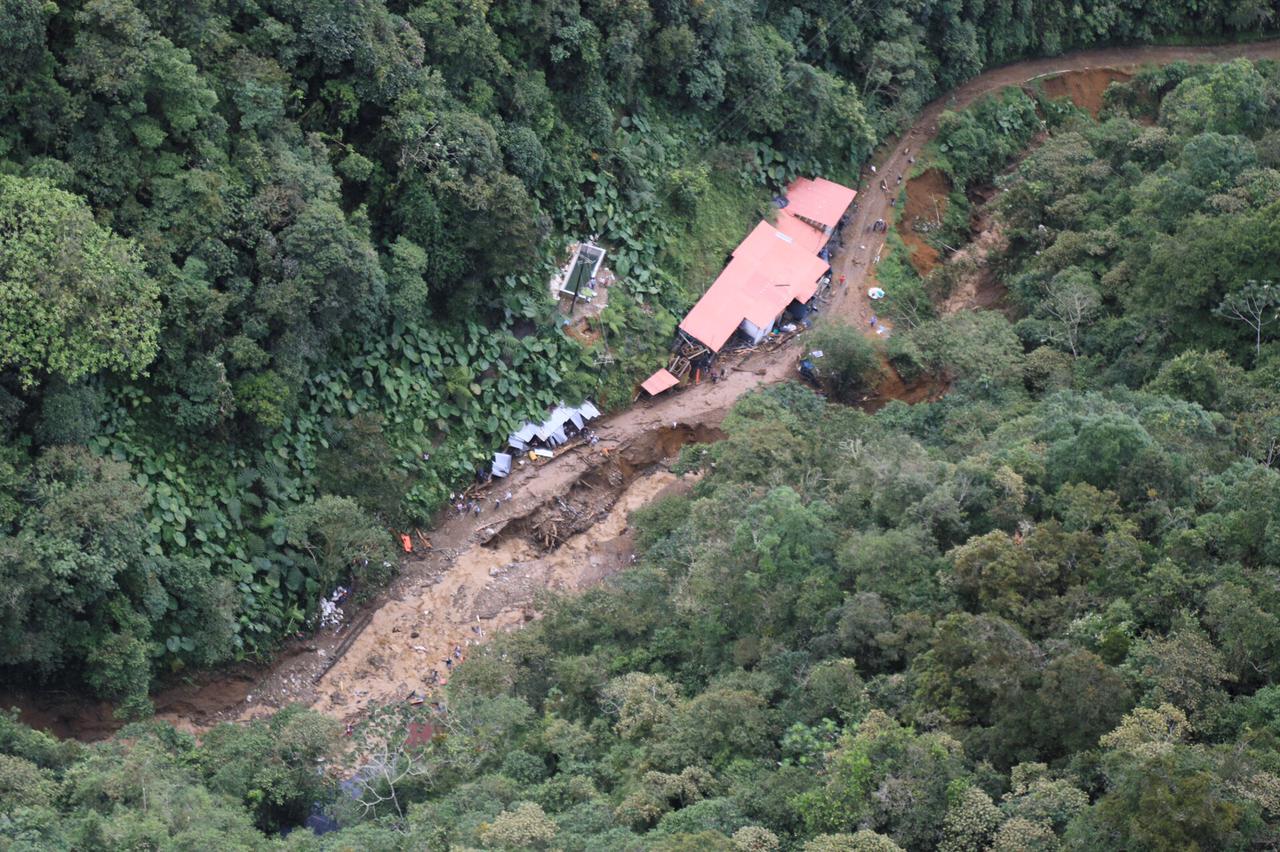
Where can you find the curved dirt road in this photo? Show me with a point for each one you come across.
(438, 595)
(892, 158)
(434, 605)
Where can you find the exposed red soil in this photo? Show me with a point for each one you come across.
(892, 388)
(377, 660)
(1085, 88)
(924, 208)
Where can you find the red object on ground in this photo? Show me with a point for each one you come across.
(420, 734)
(406, 543)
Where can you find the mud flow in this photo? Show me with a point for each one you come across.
(591, 497)
(565, 525)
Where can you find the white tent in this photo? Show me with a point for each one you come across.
(555, 423)
(501, 464)
(551, 430)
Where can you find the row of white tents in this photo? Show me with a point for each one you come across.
(551, 432)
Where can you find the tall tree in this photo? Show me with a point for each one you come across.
(1256, 304)
(74, 298)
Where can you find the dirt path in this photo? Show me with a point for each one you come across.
(440, 596)
(484, 573)
(856, 261)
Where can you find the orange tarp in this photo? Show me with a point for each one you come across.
(659, 381)
(819, 199)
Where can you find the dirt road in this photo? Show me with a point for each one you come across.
(484, 572)
(467, 576)
(857, 263)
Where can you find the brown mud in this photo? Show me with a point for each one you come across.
(922, 212)
(564, 528)
(440, 593)
(975, 285)
(892, 388)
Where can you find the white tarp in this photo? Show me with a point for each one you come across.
(551, 430)
(554, 423)
(523, 435)
(501, 464)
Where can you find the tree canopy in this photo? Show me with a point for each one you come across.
(273, 281)
(76, 299)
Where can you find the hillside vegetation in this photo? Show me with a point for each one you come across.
(274, 272)
(1039, 613)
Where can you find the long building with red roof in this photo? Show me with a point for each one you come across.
(776, 264)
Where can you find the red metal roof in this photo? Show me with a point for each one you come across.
(772, 266)
(767, 271)
(659, 381)
(807, 236)
(819, 199)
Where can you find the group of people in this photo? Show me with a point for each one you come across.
(878, 226)
(434, 679)
(474, 507)
(465, 507)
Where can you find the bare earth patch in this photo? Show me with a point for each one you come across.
(925, 206)
(1085, 88)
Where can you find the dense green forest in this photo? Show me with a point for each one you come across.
(274, 272)
(1040, 613)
